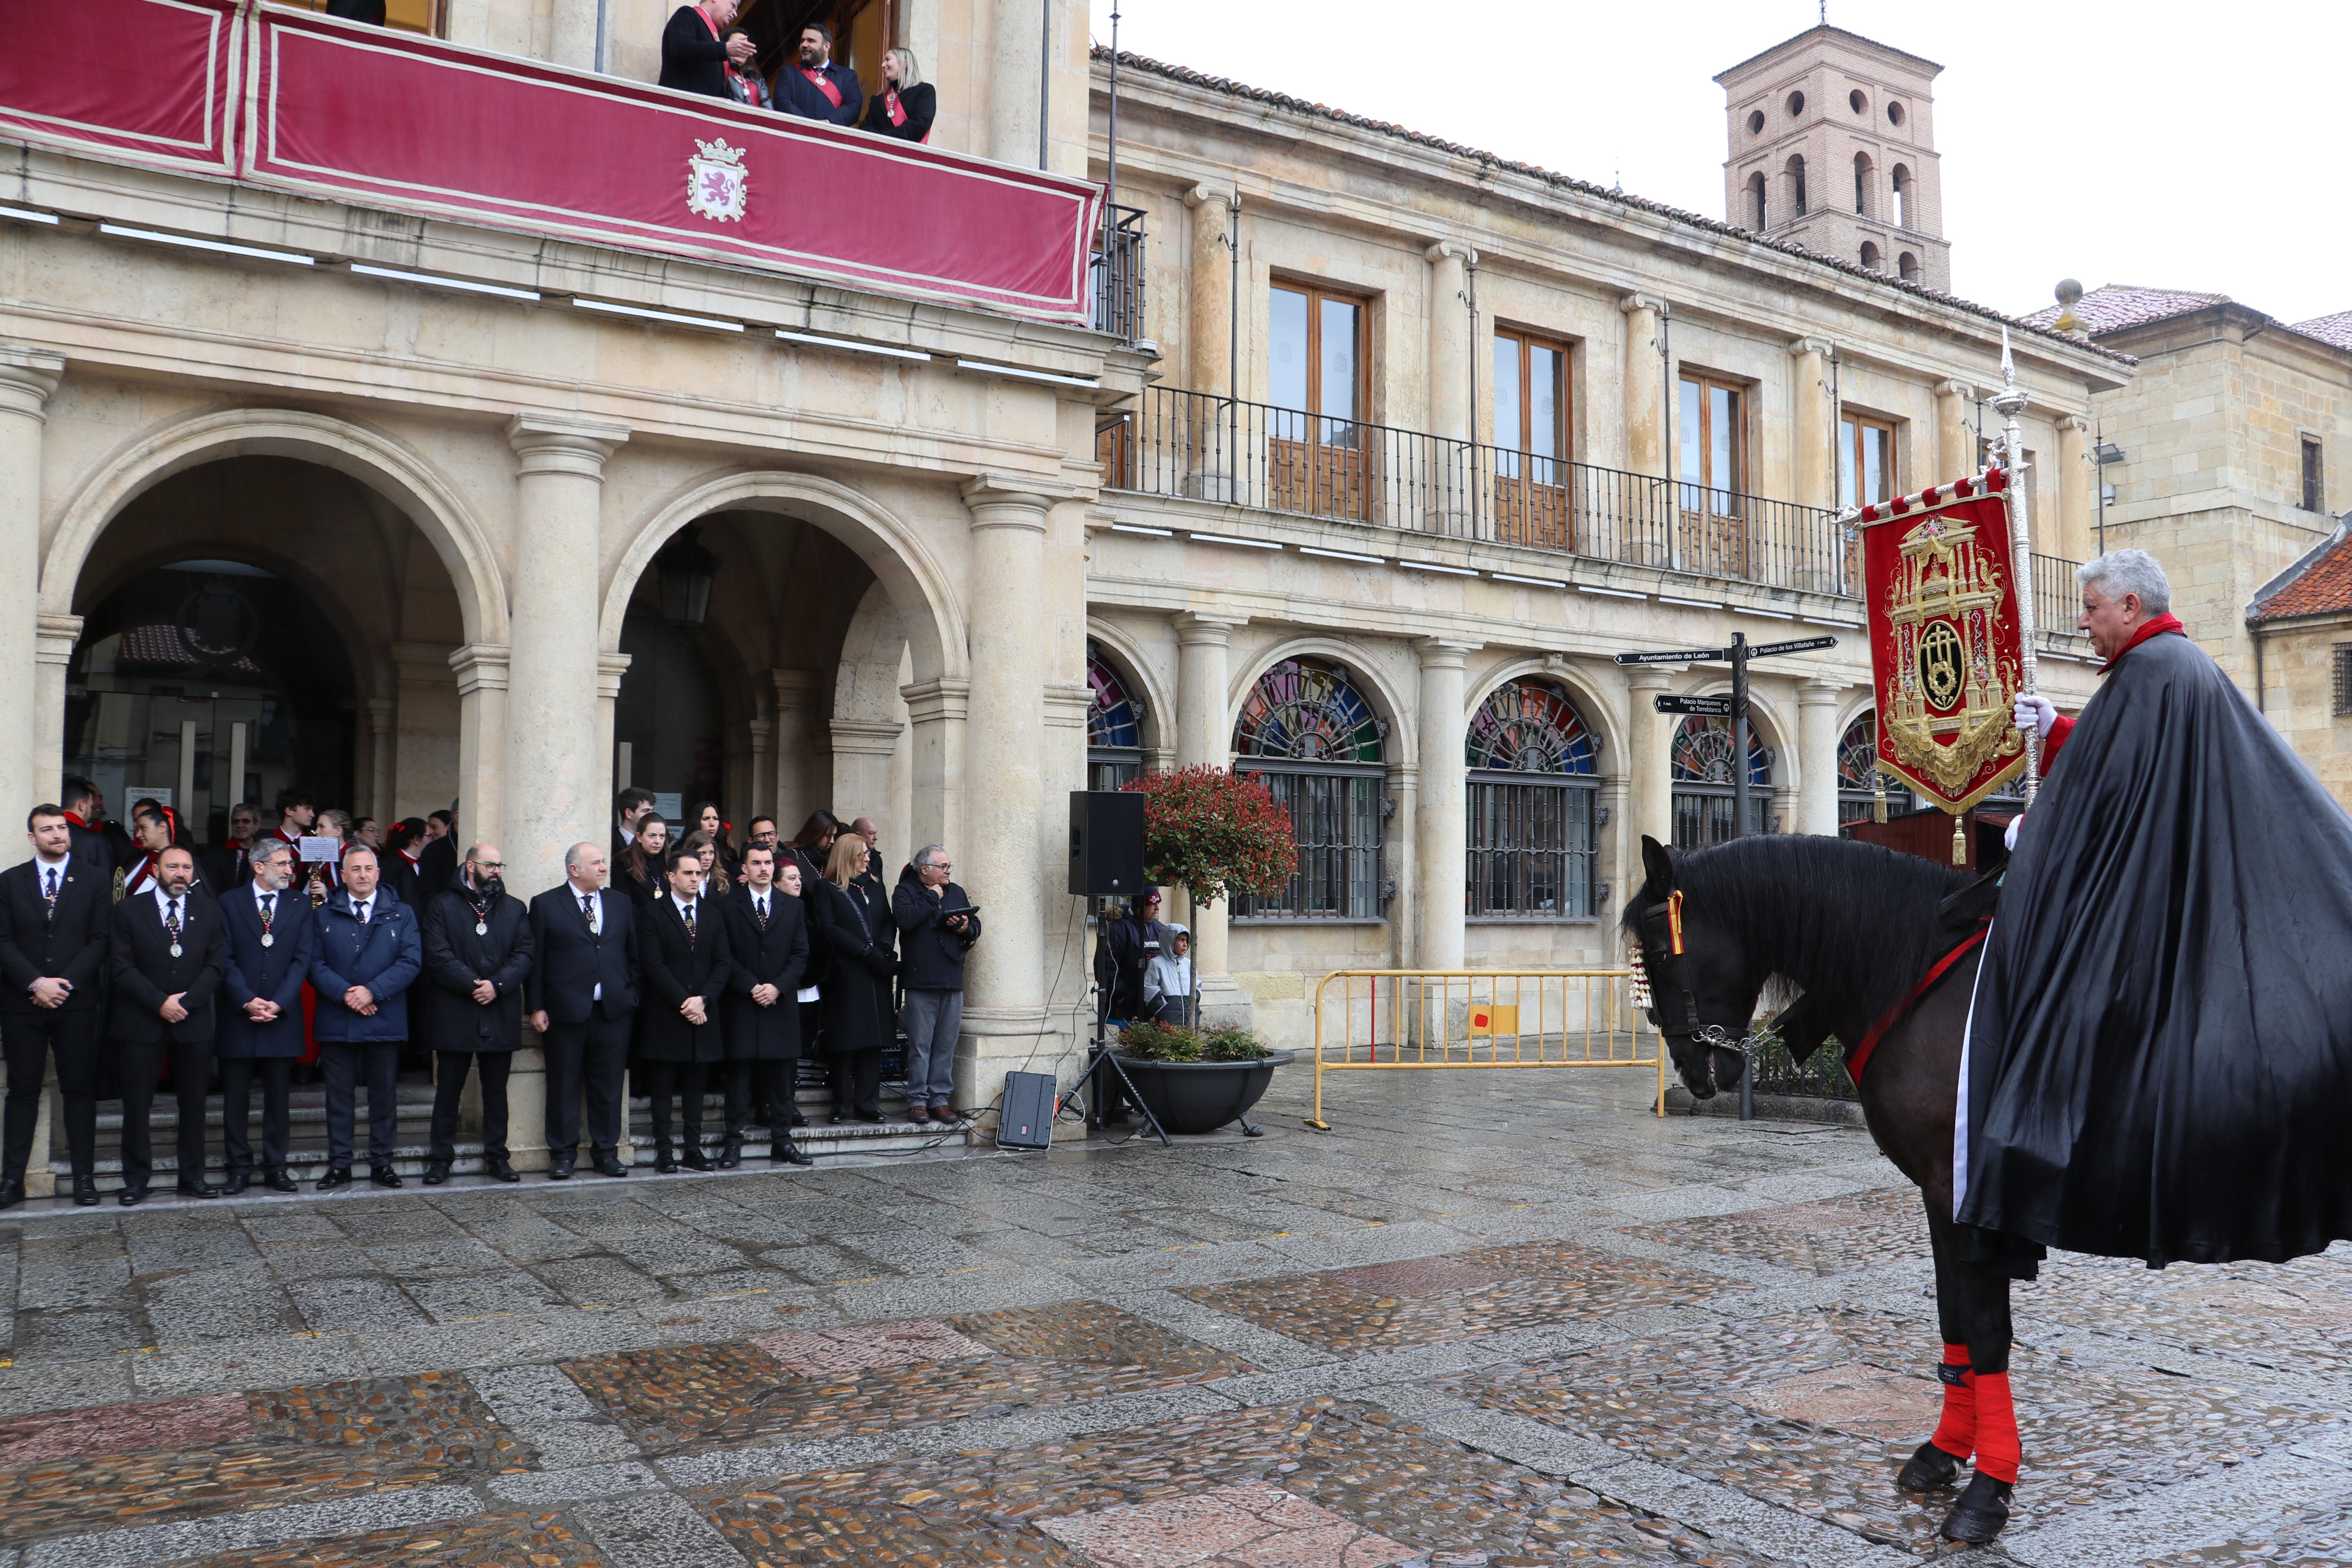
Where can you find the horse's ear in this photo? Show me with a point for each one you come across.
(1660, 866)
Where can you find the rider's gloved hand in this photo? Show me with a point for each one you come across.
(2036, 713)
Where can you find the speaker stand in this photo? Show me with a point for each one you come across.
(1101, 1051)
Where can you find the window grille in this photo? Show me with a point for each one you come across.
(1702, 780)
(1532, 828)
(2343, 704)
(1857, 761)
(1308, 734)
(1113, 726)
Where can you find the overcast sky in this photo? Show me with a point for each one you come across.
(2180, 145)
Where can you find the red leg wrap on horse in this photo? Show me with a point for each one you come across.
(1997, 1450)
(1955, 1434)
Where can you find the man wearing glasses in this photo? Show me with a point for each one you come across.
(477, 952)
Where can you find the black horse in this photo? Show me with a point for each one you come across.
(1845, 932)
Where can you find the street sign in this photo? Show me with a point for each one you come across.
(1706, 707)
(1803, 645)
(1692, 655)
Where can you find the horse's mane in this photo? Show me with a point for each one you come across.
(1852, 922)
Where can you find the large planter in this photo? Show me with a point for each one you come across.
(1200, 1097)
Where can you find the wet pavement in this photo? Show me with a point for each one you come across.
(1490, 1319)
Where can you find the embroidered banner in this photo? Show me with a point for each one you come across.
(1945, 657)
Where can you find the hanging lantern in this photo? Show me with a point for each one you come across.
(687, 572)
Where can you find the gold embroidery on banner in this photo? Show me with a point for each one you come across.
(1947, 708)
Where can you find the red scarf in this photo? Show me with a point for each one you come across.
(824, 85)
(2162, 624)
(896, 111)
(76, 821)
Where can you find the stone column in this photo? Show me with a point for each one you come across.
(612, 668)
(28, 378)
(556, 763)
(798, 782)
(1204, 738)
(572, 40)
(1649, 767)
(938, 711)
(1450, 331)
(861, 775)
(2078, 479)
(481, 741)
(1645, 425)
(53, 638)
(763, 774)
(1208, 348)
(1955, 444)
(1439, 845)
(1005, 991)
(383, 748)
(1812, 474)
(1817, 756)
(1016, 57)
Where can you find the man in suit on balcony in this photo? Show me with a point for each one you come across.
(695, 50)
(814, 86)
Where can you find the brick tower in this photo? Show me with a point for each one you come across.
(1832, 141)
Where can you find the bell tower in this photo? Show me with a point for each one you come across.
(1832, 145)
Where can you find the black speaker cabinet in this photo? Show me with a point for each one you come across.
(1106, 844)
(1026, 1120)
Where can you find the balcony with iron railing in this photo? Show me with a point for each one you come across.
(1200, 447)
(1117, 274)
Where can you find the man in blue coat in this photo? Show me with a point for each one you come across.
(272, 938)
(369, 952)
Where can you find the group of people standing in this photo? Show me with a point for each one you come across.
(704, 50)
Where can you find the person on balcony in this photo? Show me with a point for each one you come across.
(745, 85)
(368, 11)
(906, 104)
(696, 49)
(816, 89)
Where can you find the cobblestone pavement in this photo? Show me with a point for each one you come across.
(1500, 1320)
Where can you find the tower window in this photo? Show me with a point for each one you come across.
(1895, 114)
(1899, 181)
(1861, 182)
(1860, 104)
(2342, 694)
(1796, 104)
(1756, 205)
(2315, 476)
(1755, 122)
(1870, 256)
(1907, 265)
(1797, 186)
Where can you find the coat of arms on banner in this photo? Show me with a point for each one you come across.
(1946, 655)
(717, 186)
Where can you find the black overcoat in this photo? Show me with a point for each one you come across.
(857, 970)
(776, 956)
(455, 956)
(677, 968)
(144, 971)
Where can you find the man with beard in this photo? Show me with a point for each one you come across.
(55, 910)
(168, 952)
(814, 87)
(477, 952)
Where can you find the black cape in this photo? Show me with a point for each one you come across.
(2160, 1058)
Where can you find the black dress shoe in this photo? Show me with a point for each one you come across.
(86, 1191)
(131, 1198)
(610, 1165)
(1928, 1468)
(237, 1182)
(731, 1155)
(558, 1169)
(797, 1119)
(693, 1158)
(12, 1192)
(1983, 1509)
(786, 1151)
(500, 1170)
(277, 1181)
(664, 1163)
(195, 1188)
(874, 1121)
(434, 1174)
(340, 1176)
(384, 1176)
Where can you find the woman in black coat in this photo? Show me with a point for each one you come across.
(639, 872)
(906, 104)
(858, 970)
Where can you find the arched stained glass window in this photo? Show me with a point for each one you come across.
(1533, 843)
(1114, 726)
(1857, 763)
(1703, 780)
(1308, 734)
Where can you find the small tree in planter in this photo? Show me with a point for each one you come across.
(1214, 833)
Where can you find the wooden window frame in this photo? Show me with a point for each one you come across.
(1851, 453)
(1532, 491)
(1705, 381)
(1526, 340)
(1308, 471)
(1316, 294)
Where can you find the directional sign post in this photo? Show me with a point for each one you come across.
(1707, 707)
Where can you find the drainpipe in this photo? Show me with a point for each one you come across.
(1044, 78)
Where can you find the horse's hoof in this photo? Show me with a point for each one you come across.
(1928, 1468)
(1983, 1509)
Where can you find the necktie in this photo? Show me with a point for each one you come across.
(360, 910)
(50, 893)
(762, 905)
(688, 910)
(172, 924)
(588, 908)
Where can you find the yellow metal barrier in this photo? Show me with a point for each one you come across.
(1382, 1020)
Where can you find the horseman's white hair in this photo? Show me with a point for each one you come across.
(2121, 572)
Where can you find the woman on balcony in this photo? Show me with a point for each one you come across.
(745, 85)
(906, 104)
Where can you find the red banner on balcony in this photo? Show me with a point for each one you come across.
(300, 101)
(1946, 655)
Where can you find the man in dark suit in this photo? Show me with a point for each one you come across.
(768, 945)
(85, 809)
(584, 992)
(368, 955)
(695, 51)
(272, 933)
(229, 864)
(477, 961)
(54, 917)
(686, 971)
(166, 953)
(814, 87)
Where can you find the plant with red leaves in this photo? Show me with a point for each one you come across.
(1214, 833)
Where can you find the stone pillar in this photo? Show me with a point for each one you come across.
(1450, 334)
(861, 776)
(1817, 756)
(28, 378)
(2078, 477)
(1439, 845)
(799, 783)
(1955, 444)
(383, 748)
(611, 670)
(53, 638)
(763, 774)
(481, 741)
(938, 711)
(1812, 473)
(556, 761)
(1209, 330)
(1204, 738)
(1649, 764)
(1016, 58)
(1645, 424)
(1005, 991)
(572, 40)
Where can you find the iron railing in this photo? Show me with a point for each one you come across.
(1118, 274)
(2057, 599)
(1207, 447)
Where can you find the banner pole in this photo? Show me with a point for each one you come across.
(2010, 402)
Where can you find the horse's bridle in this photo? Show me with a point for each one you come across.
(1664, 921)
